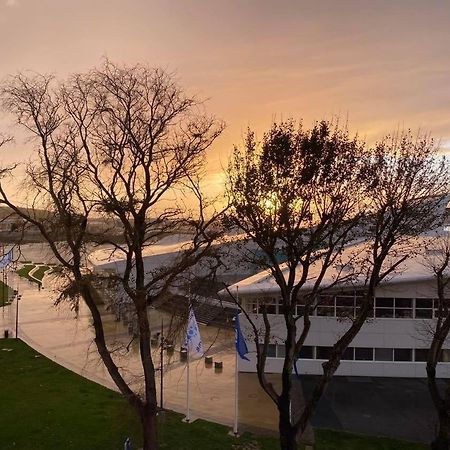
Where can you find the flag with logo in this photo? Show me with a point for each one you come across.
(193, 342)
(241, 345)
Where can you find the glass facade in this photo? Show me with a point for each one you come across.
(348, 305)
(361, 353)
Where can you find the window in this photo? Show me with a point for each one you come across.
(358, 300)
(271, 350)
(420, 354)
(444, 356)
(384, 307)
(364, 354)
(270, 304)
(349, 354)
(325, 305)
(367, 354)
(384, 354)
(253, 305)
(384, 302)
(403, 308)
(323, 352)
(444, 305)
(299, 307)
(345, 306)
(402, 354)
(281, 350)
(306, 352)
(424, 308)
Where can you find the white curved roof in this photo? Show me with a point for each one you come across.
(414, 269)
(106, 255)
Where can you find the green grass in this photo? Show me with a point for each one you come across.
(40, 272)
(46, 407)
(5, 294)
(333, 440)
(24, 272)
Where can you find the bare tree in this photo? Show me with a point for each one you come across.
(305, 195)
(437, 260)
(127, 144)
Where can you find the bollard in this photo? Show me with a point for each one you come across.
(127, 445)
(130, 328)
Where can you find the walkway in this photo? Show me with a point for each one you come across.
(68, 340)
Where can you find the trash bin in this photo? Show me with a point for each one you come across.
(6, 334)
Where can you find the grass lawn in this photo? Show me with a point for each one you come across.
(5, 294)
(333, 440)
(39, 274)
(46, 407)
(25, 270)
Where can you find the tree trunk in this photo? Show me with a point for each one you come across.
(442, 441)
(288, 440)
(441, 403)
(149, 428)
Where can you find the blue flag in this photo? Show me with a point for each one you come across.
(241, 346)
(6, 260)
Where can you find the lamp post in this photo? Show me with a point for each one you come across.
(162, 366)
(17, 315)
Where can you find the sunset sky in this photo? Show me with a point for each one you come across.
(384, 64)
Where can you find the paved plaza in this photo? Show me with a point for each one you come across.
(394, 407)
(67, 338)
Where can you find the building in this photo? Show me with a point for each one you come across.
(392, 343)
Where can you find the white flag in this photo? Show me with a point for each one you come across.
(193, 342)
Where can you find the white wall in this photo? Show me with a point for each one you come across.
(376, 333)
(351, 368)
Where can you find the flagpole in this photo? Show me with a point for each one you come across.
(194, 346)
(188, 412)
(236, 379)
(3, 281)
(162, 365)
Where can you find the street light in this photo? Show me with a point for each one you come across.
(17, 315)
